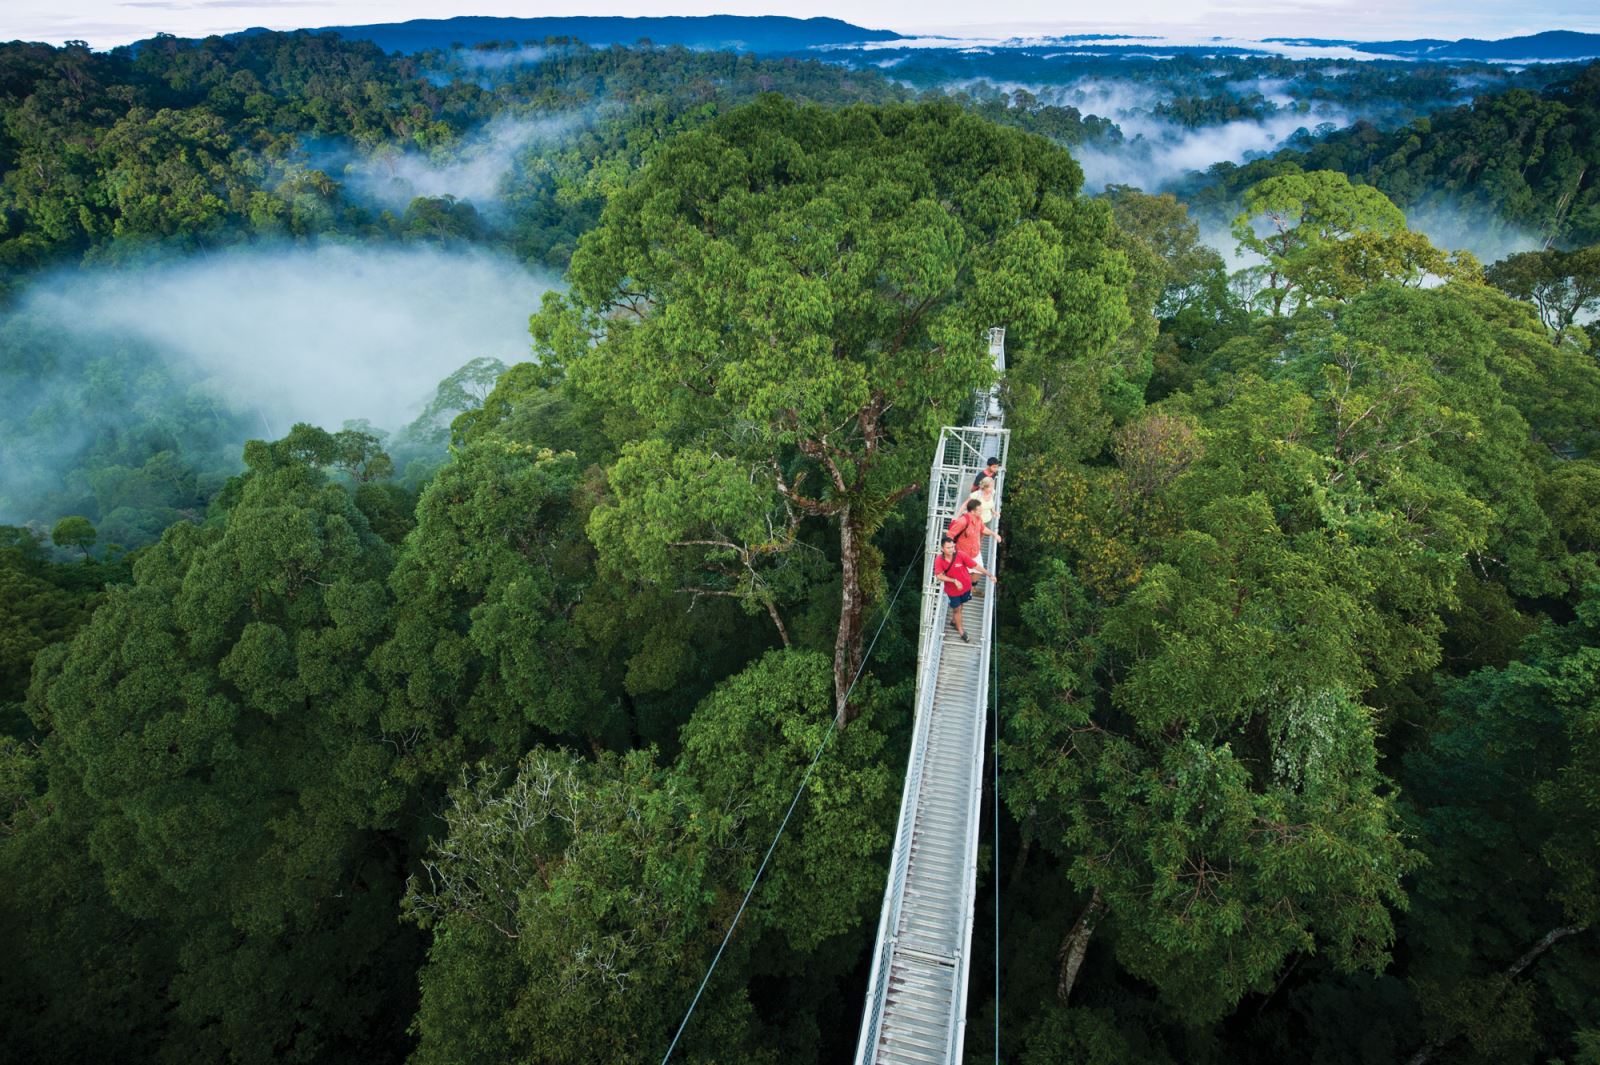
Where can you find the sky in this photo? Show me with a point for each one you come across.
(105, 23)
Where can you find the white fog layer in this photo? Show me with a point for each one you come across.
(475, 170)
(321, 335)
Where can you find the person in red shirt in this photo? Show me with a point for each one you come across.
(955, 570)
(968, 530)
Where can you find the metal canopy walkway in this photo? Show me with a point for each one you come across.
(916, 998)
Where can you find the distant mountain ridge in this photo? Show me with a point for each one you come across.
(752, 33)
(770, 34)
(1550, 46)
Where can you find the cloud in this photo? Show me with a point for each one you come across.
(1156, 150)
(1160, 153)
(1446, 223)
(1118, 100)
(1158, 45)
(204, 5)
(502, 59)
(474, 171)
(319, 334)
(1453, 227)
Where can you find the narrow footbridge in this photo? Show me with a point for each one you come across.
(916, 999)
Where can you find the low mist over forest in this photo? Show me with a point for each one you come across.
(452, 497)
(179, 360)
(312, 333)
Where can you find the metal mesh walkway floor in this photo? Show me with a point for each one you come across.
(923, 968)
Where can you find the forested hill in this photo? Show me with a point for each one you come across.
(203, 143)
(1550, 46)
(744, 33)
(275, 142)
(1528, 162)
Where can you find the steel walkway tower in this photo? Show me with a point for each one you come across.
(916, 998)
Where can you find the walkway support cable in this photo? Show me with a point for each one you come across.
(833, 727)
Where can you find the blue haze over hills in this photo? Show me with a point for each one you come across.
(765, 33)
(778, 34)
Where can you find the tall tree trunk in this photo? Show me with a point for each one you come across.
(1531, 955)
(1021, 860)
(847, 646)
(1075, 946)
(777, 619)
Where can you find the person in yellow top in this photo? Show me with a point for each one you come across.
(985, 497)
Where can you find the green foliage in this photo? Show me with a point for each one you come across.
(85, 980)
(41, 603)
(1253, 577)
(179, 146)
(192, 142)
(1323, 239)
(1182, 280)
(1229, 817)
(746, 748)
(1505, 804)
(692, 522)
(75, 531)
(484, 654)
(198, 143)
(1523, 399)
(1561, 284)
(34, 613)
(1300, 683)
(822, 281)
(1182, 265)
(1525, 161)
(1090, 1037)
(463, 391)
(1020, 108)
(441, 220)
(117, 434)
(213, 736)
(552, 865)
(630, 101)
(577, 904)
